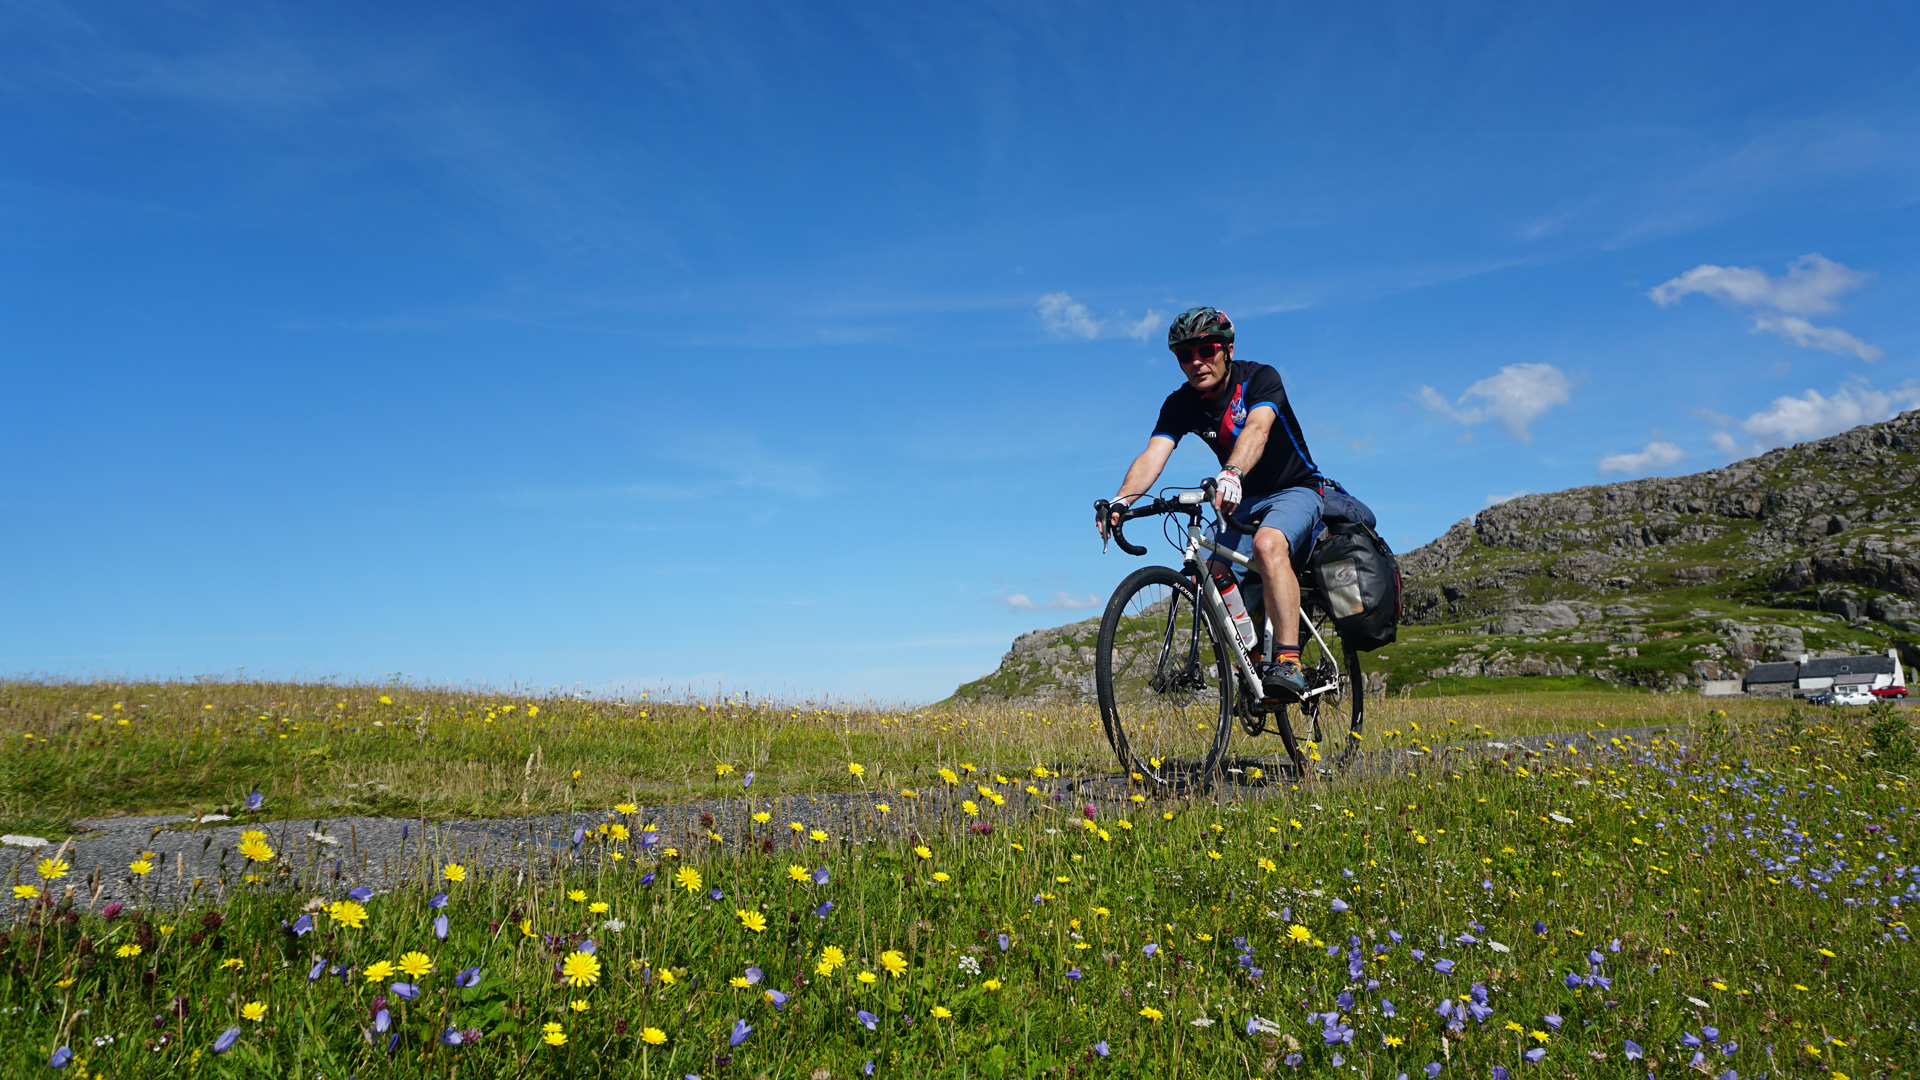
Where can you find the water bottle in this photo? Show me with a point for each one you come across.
(1236, 607)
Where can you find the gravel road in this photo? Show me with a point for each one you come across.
(334, 854)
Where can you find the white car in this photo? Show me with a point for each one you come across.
(1851, 695)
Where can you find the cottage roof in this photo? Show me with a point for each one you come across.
(1832, 667)
(1773, 673)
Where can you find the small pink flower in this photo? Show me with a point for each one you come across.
(1090, 811)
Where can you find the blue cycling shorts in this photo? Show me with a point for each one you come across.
(1295, 511)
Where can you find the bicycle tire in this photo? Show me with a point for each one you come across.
(1164, 678)
(1329, 728)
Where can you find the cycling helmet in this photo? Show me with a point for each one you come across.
(1200, 324)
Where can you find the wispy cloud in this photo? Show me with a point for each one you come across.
(1516, 397)
(1813, 415)
(1063, 316)
(1496, 500)
(1810, 286)
(1657, 454)
(1062, 601)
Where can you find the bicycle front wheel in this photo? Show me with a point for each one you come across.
(1164, 675)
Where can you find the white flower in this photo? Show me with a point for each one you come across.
(23, 841)
(102, 1040)
(1203, 1022)
(970, 965)
(323, 838)
(1559, 817)
(615, 925)
(1497, 947)
(214, 817)
(1698, 1002)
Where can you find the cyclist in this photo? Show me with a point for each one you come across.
(1242, 412)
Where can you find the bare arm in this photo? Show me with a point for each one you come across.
(1143, 472)
(1248, 448)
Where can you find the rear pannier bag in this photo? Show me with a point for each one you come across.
(1360, 579)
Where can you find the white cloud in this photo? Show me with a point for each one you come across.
(1063, 316)
(1657, 454)
(1810, 286)
(1808, 336)
(1813, 415)
(1516, 397)
(1496, 500)
(1062, 601)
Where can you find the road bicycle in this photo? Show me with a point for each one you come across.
(1172, 676)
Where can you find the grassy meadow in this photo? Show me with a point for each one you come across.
(71, 750)
(1725, 899)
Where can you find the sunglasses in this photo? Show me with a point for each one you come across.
(1193, 354)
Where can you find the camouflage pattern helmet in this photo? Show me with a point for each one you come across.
(1200, 324)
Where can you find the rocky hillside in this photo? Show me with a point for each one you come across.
(1660, 583)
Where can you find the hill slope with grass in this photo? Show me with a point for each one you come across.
(1656, 584)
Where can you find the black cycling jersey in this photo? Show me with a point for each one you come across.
(1283, 464)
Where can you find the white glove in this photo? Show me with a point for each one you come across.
(1227, 491)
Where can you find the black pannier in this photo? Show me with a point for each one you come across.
(1357, 573)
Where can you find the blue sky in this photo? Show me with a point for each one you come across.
(784, 348)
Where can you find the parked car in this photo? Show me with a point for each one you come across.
(1890, 691)
(1851, 695)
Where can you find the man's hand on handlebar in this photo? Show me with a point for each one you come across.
(1106, 515)
(1226, 492)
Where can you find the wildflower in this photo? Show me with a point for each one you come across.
(256, 848)
(923, 851)
(856, 768)
(818, 836)
(437, 901)
(867, 1019)
(578, 896)
(625, 809)
(226, 1039)
(777, 999)
(232, 963)
(127, 951)
(415, 964)
(894, 961)
(796, 872)
(1151, 1013)
(1101, 1048)
(348, 913)
(752, 920)
(941, 1012)
(454, 872)
(942, 876)
(1537, 1036)
(61, 1058)
(1268, 864)
(969, 806)
(1149, 948)
(599, 907)
(580, 1005)
(553, 1035)
(378, 971)
(741, 1029)
(652, 1036)
(140, 867)
(1298, 934)
(993, 984)
(949, 776)
(832, 958)
(867, 978)
(1534, 1055)
(722, 769)
(882, 807)
(1339, 906)
(526, 928)
(255, 1011)
(360, 895)
(1102, 912)
(823, 909)
(468, 978)
(580, 969)
(796, 826)
(687, 878)
(25, 892)
(49, 869)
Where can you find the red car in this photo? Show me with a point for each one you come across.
(1890, 692)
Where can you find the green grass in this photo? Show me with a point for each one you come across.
(1504, 685)
(1599, 844)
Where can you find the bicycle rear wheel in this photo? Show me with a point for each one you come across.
(1164, 676)
(1327, 726)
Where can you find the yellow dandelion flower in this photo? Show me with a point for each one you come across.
(49, 869)
(894, 961)
(796, 826)
(949, 776)
(722, 769)
(526, 928)
(580, 969)
(819, 836)
(856, 768)
(256, 849)
(993, 984)
(1102, 912)
(578, 896)
(832, 957)
(969, 806)
(941, 1012)
(378, 971)
(25, 892)
(255, 1011)
(625, 809)
(942, 876)
(554, 1038)
(1151, 1013)
(923, 851)
(579, 1005)
(752, 920)
(652, 1036)
(762, 818)
(416, 964)
(868, 977)
(140, 867)
(347, 913)
(687, 878)
(599, 907)
(883, 807)
(127, 951)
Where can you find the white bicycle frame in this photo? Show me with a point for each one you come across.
(1197, 541)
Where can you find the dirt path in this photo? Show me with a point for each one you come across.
(335, 854)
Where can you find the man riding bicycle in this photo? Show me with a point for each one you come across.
(1241, 410)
